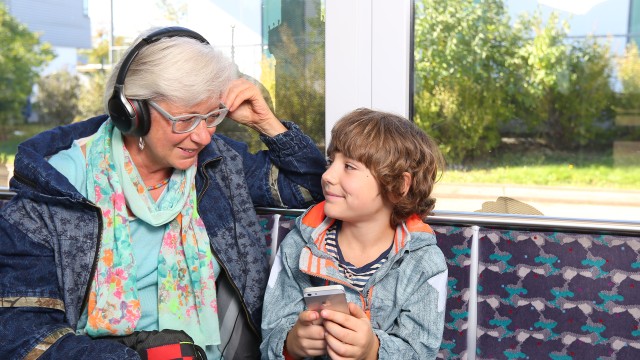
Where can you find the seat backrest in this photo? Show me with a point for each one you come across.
(455, 244)
(557, 295)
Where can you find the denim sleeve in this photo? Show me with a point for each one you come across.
(419, 327)
(32, 315)
(288, 173)
(283, 300)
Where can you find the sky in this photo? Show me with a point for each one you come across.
(221, 20)
(132, 17)
(578, 7)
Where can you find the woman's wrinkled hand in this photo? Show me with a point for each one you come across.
(247, 106)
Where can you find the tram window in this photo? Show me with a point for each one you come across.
(535, 104)
(277, 44)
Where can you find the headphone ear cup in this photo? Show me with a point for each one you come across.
(120, 111)
(142, 123)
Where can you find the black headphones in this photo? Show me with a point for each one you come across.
(131, 116)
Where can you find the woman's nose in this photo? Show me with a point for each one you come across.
(202, 134)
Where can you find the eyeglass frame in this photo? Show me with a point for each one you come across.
(182, 118)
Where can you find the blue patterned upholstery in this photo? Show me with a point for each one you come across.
(455, 243)
(561, 296)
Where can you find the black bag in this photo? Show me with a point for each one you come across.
(162, 345)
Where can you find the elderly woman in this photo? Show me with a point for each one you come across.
(136, 230)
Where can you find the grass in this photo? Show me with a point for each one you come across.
(531, 164)
(595, 176)
(512, 163)
(11, 136)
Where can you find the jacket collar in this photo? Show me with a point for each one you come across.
(31, 165)
(315, 260)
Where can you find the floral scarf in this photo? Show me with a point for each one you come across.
(186, 280)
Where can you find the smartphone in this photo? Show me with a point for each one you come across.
(330, 297)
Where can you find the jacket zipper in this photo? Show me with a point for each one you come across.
(24, 180)
(94, 266)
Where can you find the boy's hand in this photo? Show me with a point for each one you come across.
(350, 336)
(307, 337)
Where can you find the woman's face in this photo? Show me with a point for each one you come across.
(166, 149)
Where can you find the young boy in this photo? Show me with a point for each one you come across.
(368, 235)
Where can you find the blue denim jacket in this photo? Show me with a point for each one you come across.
(405, 298)
(50, 234)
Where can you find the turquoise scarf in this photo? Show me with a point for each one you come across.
(186, 281)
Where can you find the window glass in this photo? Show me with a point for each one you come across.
(277, 44)
(534, 103)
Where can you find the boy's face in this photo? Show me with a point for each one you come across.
(352, 193)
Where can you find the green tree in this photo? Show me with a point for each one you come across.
(57, 99)
(461, 75)
(90, 100)
(564, 95)
(628, 67)
(628, 99)
(479, 78)
(300, 76)
(22, 55)
(297, 45)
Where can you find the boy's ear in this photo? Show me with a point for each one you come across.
(406, 179)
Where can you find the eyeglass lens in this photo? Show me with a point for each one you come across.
(186, 125)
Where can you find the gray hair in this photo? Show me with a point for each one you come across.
(180, 70)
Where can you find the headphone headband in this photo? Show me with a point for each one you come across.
(168, 32)
(131, 117)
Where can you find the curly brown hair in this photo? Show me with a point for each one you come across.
(390, 145)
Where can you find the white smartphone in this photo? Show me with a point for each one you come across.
(330, 297)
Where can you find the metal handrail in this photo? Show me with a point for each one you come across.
(5, 193)
(510, 221)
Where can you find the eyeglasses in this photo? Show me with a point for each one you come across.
(186, 123)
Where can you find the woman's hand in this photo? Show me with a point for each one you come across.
(350, 336)
(306, 338)
(247, 106)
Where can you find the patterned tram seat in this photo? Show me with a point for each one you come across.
(560, 296)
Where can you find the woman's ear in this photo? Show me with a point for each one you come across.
(406, 179)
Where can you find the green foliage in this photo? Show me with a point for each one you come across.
(57, 99)
(461, 72)
(629, 69)
(565, 97)
(479, 78)
(299, 87)
(90, 101)
(21, 57)
(629, 76)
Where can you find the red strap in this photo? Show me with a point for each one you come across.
(164, 352)
(286, 354)
(171, 352)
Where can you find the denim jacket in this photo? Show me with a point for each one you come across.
(404, 299)
(50, 235)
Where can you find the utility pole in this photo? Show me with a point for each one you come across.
(111, 37)
(233, 49)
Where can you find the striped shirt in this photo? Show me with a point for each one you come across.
(357, 276)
